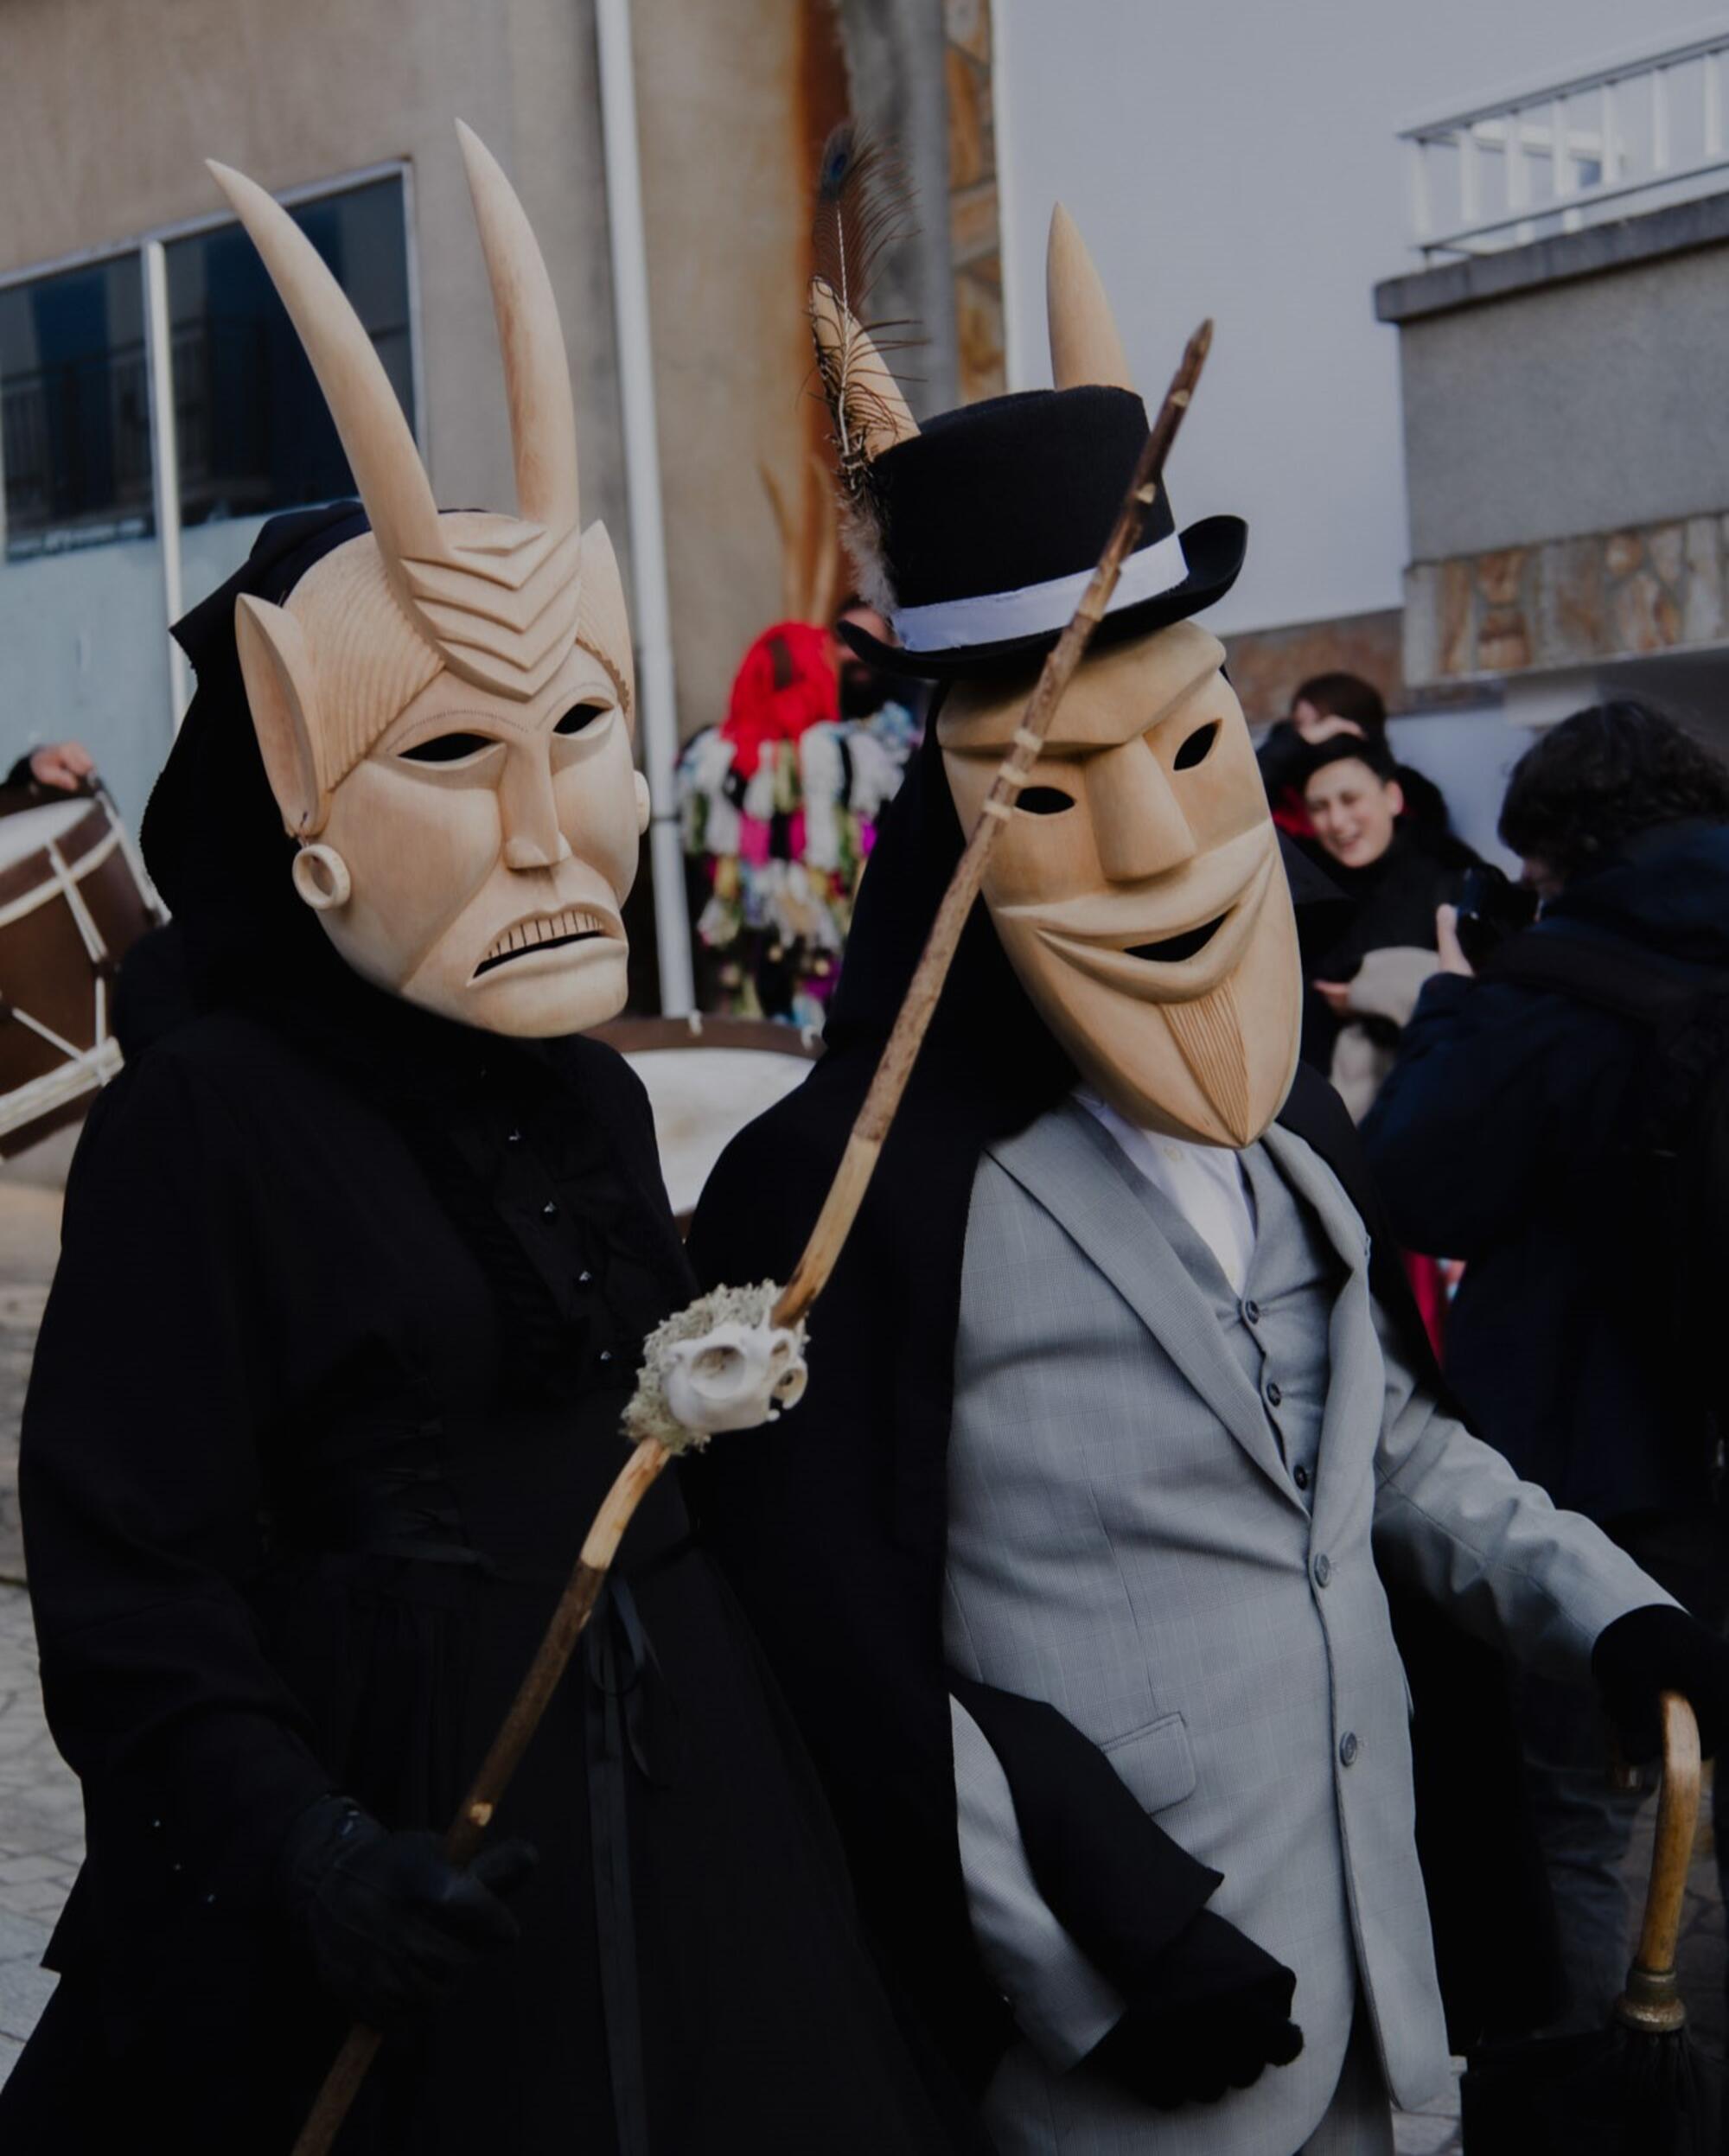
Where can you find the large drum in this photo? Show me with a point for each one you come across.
(707, 1079)
(73, 899)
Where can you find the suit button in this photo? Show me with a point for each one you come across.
(1323, 1571)
(1348, 1748)
(513, 1137)
(1252, 1313)
(1274, 1395)
(549, 1211)
(1299, 1475)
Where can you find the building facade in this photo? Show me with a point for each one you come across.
(156, 408)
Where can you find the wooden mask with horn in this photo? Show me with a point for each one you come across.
(1138, 890)
(444, 705)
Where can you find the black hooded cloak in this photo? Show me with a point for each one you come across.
(833, 1525)
(328, 1392)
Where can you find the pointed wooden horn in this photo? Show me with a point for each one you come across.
(374, 433)
(1085, 348)
(873, 407)
(537, 372)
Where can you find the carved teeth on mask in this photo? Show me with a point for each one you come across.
(541, 932)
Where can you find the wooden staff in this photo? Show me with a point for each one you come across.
(834, 1222)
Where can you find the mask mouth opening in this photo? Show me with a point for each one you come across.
(1174, 949)
(543, 932)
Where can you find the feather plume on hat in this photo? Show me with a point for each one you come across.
(863, 211)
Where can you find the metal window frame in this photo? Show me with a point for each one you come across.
(151, 248)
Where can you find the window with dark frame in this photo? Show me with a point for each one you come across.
(75, 409)
(252, 429)
(253, 435)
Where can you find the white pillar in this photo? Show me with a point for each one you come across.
(655, 682)
(165, 462)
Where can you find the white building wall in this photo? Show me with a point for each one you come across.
(1240, 159)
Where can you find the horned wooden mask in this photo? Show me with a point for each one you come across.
(1139, 890)
(444, 705)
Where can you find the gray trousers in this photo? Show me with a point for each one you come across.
(1359, 2120)
(1585, 1827)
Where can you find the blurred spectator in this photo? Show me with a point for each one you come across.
(867, 688)
(1365, 981)
(1325, 707)
(779, 805)
(1532, 1127)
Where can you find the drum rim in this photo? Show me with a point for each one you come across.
(83, 845)
(74, 811)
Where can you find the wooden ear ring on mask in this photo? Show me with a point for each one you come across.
(321, 878)
(642, 802)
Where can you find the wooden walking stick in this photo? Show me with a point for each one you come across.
(1652, 2000)
(659, 1437)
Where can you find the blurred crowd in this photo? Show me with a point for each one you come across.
(779, 804)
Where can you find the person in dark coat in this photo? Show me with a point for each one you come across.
(1501, 1137)
(1334, 706)
(329, 1388)
(1380, 943)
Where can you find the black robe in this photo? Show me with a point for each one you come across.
(328, 1392)
(832, 1526)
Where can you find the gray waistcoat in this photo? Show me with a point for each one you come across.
(1277, 1329)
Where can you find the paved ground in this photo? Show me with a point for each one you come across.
(41, 1822)
(39, 1817)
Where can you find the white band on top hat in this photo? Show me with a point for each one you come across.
(1037, 608)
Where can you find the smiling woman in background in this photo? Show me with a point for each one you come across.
(1365, 983)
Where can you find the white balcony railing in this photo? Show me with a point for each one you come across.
(1636, 134)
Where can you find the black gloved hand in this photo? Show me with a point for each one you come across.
(389, 1922)
(1216, 2018)
(1660, 1649)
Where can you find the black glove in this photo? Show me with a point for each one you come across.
(1660, 1649)
(1216, 2018)
(389, 1922)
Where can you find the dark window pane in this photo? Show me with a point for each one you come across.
(75, 409)
(251, 429)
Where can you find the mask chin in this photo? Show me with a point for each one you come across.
(1215, 1067)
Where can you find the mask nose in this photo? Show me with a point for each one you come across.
(528, 812)
(1138, 826)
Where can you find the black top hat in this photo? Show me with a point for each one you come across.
(993, 518)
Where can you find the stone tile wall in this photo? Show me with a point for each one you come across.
(1568, 602)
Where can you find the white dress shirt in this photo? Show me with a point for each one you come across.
(1206, 1184)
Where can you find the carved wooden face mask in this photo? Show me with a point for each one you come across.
(1139, 890)
(445, 704)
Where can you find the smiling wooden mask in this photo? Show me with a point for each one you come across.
(1139, 890)
(444, 705)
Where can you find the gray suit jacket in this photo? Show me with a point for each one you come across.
(1126, 1542)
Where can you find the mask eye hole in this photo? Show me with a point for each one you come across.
(1197, 748)
(1044, 800)
(580, 717)
(446, 748)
